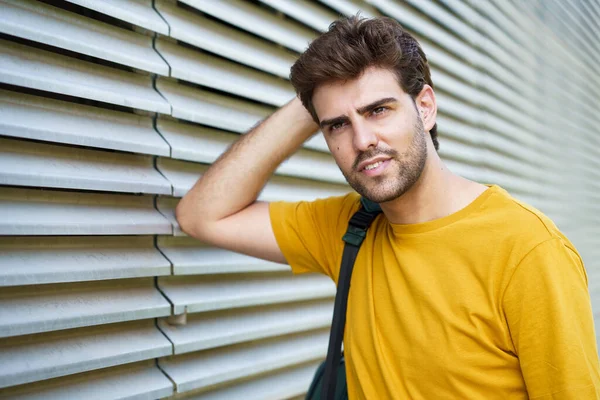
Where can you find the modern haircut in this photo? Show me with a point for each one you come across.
(353, 44)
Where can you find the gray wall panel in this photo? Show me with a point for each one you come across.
(111, 110)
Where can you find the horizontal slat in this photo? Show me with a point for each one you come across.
(39, 118)
(137, 12)
(451, 107)
(515, 43)
(461, 90)
(457, 130)
(312, 165)
(477, 97)
(200, 106)
(459, 151)
(317, 142)
(64, 167)
(294, 189)
(507, 129)
(220, 328)
(514, 184)
(204, 69)
(204, 369)
(45, 212)
(38, 69)
(411, 19)
(201, 144)
(310, 14)
(36, 260)
(465, 170)
(42, 308)
(194, 143)
(191, 257)
(414, 21)
(275, 385)
(36, 357)
(303, 164)
(441, 60)
(166, 206)
(183, 175)
(511, 38)
(510, 166)
(217, 292)
(351, 7)
(52, 26)
(224, 41)
(508, 95)
(141, 380)
(278, 188)
(475, 37)
(258, 21)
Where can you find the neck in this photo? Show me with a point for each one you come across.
(437, 193)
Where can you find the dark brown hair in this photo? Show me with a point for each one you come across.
(353, 44)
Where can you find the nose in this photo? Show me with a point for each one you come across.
(364, 135)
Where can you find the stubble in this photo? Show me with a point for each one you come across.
(406, 169)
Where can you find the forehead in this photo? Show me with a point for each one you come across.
(341, 97)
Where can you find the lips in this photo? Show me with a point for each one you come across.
(370, 163)
(376, 169)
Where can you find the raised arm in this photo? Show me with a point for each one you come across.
(221, 208)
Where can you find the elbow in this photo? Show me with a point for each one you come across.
(184, 219)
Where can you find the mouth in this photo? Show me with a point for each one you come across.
(375, 168)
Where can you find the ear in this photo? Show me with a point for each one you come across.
(427, 107)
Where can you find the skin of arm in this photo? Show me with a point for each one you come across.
(221, 208)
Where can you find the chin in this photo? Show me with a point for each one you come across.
(381, 192)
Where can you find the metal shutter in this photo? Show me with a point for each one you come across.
(110, 111)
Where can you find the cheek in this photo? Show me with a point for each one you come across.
(342, 153)
(398, 133)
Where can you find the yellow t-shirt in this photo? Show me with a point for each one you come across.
(490, 302)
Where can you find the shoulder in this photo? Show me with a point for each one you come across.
(527, 233)
(330, 211)
(522, 221)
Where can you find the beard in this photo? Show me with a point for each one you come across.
(402, 173)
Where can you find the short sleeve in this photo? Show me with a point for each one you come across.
(309, 234)
(548, 311)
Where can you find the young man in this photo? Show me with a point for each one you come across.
(459, 291)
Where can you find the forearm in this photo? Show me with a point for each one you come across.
(234, 181)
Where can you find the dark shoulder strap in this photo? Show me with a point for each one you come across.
(357, 231)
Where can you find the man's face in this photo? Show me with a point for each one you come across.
(374, 133)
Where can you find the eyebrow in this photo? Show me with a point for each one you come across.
(360, 110)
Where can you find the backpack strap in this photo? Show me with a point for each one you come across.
(355, 234)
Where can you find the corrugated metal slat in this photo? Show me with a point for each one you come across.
(308, 13)
(45, 212)
(256, 20)
(133, 381)
(39, 118)
(37, 260)
(215, 329)
(203, 69)
(217, 292)
(216, 38)
(64, 167)
(38, 69)
(43, 356)
(43, 308)
(137, 12)
(273, 386)
(210, 367)
(191, 257)
(50, 25)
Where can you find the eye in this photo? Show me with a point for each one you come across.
(379, 110)
(336, 126)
